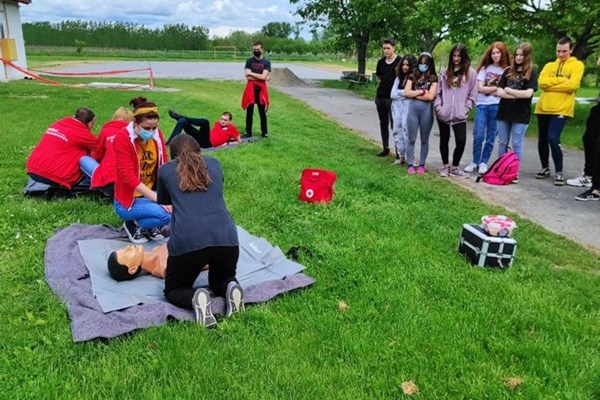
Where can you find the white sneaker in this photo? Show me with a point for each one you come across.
(471, 167)
(580, 181)
(202, 308)
(482, 168)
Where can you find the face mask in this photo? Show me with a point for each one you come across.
(257, 53)
(423, 68)
(146, 135)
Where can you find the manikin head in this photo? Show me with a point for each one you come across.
(126, 263)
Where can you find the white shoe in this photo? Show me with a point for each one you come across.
(471, 167)
(202, 308)
(580, 181)
(482, 168)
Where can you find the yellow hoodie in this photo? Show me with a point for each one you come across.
(559, 81)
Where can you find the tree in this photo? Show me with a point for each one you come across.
(356, 21)
(281, 30)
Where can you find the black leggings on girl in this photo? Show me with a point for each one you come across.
(460, 137)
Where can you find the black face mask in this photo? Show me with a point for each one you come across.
(257, 53)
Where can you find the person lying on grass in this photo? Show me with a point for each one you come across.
(222, 132)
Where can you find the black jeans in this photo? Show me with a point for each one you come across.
(262, 112)
(590, 138)
(384, 110)
(188, 125)
(460, 138)
(183, 270)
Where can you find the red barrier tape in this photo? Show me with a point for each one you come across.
(33, 75)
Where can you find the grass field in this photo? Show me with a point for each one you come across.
(386, 247)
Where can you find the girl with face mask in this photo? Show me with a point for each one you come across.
(139, 150)
(421, 87)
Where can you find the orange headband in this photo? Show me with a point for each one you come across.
(144, 110)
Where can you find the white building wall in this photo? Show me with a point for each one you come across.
(10, 19)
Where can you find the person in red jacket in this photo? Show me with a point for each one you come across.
(139, 150)
(222, 131)
(100, 166)
(55, 159)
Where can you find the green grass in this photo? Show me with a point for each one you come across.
(386, 246)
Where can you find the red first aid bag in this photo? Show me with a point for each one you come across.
(316, 185)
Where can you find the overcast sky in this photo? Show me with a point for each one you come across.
(219, 16)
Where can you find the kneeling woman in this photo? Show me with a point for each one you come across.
(139, 150)
(202, 231)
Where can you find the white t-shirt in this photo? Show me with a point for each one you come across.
(490, 76)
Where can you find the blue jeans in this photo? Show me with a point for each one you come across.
(508, 131)
(145, 212)
(484, 132)
(550, 127)
(88, 165)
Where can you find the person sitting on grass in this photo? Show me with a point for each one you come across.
(202, 232)
(127, 263)
(55, 159)
(223, 130)
(100, 166)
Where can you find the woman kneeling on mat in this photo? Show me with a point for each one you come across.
(202, 231)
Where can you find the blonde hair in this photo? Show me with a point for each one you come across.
(123, 114)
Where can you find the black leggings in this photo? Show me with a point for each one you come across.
(183, 270)
(262, 112)
(460, 138)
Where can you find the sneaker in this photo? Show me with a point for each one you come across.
(246, 135)
(445, 172)
(421, 170)
(589, 195)
(543, 174)
(173, 114)
(154, 234)
(581, 181)
(383, 153)
(397, 161)
(234, 299)
(457, 173)
(516, 180)
(264, 135)
(482, 168)
(134, 232)
(471, 167)
(559, 180)
(411, 170)
(202, 309)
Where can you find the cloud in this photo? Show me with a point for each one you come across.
(220, 16)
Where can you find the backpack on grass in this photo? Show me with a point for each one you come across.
(503, 171)
(316, 185)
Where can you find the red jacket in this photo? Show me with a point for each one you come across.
(128, 166)
(248, 95)
(106, 172)
(56, 156)
(220, 135)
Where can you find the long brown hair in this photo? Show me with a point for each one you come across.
(527, 65)
(486, 59)
(465, 64)
(191, 168)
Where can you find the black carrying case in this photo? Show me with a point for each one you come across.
(484, 250)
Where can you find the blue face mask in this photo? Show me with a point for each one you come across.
(146, 135)
(423, 68)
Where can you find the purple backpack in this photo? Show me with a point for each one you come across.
(503, 171)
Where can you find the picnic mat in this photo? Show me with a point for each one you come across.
(68, 276)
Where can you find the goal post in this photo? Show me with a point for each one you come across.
(224, 51)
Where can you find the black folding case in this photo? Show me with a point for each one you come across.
(484, 250)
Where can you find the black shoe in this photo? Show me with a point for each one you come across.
(544, 173)
(264, 135)
(154, 234)
(134, 233)
(588, 195)
(173, 114)
(246, 135)
(383, 153)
